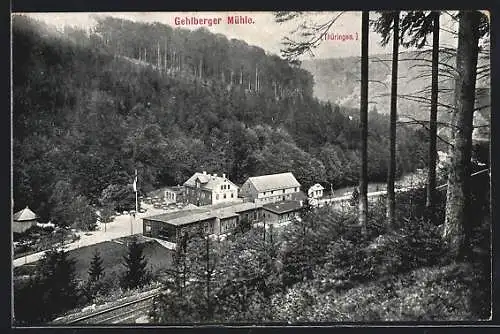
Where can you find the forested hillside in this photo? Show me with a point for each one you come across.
(90, 107)
(337, 80)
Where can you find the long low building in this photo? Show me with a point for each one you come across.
(217, 220)
(281, 212)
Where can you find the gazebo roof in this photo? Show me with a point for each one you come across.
(24, 215)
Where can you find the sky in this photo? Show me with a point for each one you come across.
(264, 31)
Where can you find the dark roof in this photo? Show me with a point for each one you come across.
(283, 206)
(246, 206)
(184, 217)
(193, 218)
(168, 217)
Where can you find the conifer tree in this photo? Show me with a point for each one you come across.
(136, 273)
(52, 290)
(96, 270)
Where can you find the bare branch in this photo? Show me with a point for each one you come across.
(294, 49)
(413, 119)
(427, 128)
(379, 82)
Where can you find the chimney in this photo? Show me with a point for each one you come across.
(224, 175)
(204, 172)
(214, 175)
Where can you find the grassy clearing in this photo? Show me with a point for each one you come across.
(112, 253)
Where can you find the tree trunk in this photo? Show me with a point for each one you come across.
(431, 176)
(455, 231)
(158, 59)
(391, 174)
(165, 58)
(201, 68)
(363, 178)
(209, 308)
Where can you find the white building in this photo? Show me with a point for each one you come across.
(270, 188)
(207, 189)
(316, 191)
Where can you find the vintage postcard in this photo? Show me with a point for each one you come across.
(187, 168)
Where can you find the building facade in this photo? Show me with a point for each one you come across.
(316, 191)
(206, 189)
(281, 212)
(173, 195)
(172, 226)
(270, 188)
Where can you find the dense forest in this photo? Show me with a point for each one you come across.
(92, 106)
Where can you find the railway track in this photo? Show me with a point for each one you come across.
(124, 313)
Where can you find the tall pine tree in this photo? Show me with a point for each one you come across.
(96, 270)
(135, 262)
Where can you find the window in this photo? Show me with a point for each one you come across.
(295, 189)
(232, 195)
(228, 186)
(224, 196)
(148, 228)
(264, 193)
(272, 192)
(222, 187)
(283, 191)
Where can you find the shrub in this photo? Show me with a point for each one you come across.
(426, 294)
(418, 243)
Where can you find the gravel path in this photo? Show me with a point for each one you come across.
(121, 226)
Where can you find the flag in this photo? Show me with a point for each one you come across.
(135, 182)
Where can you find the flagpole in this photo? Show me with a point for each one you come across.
(135, 190)
(136, 206)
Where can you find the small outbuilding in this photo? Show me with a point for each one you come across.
(23, 220)
(316, 191)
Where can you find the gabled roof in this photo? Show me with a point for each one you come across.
(24, 215)
(274, 181)
(283, 206)
(207, 181)
(315, 187)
